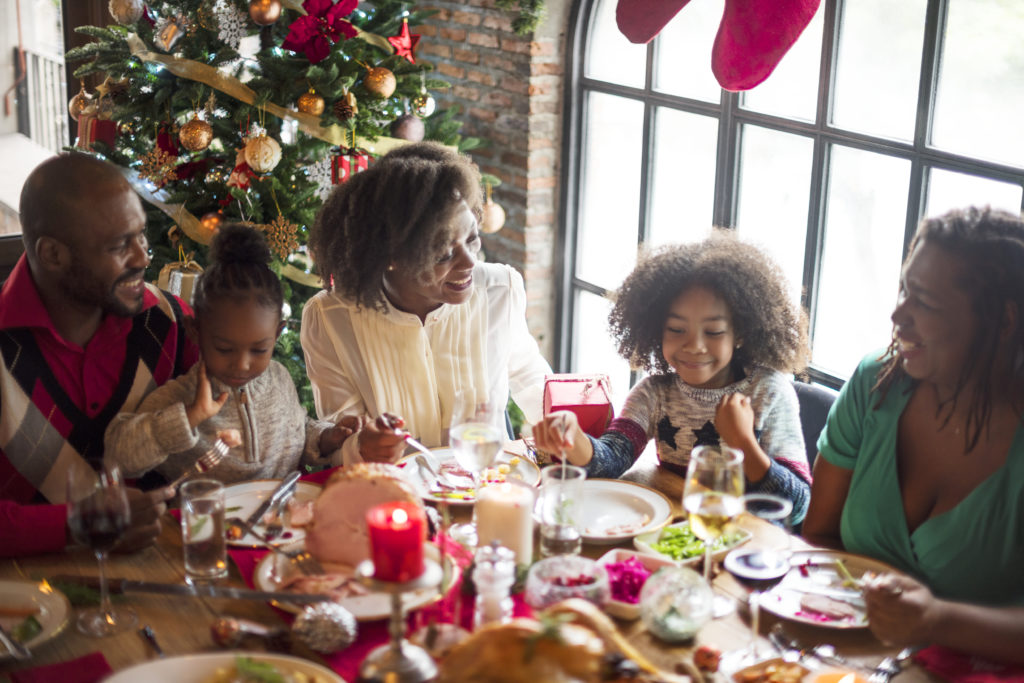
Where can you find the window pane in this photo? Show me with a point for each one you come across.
(981, 81)
(610, 192)
(867, 205)
(792, 89)
(948, 190)
(775, 186)
(682, 63)
(610, 57)
(877, 76)
(683, 177)
(592, 347)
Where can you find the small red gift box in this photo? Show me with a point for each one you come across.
(93, 129)
(346, 163)
(589, 396)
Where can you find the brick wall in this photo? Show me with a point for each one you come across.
(509, 89)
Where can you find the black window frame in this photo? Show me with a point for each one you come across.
(732, 117)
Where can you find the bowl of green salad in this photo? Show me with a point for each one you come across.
(678, 543)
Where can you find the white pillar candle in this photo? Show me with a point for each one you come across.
(504, 513)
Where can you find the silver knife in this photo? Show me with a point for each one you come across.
(282, 490)
(196, 590)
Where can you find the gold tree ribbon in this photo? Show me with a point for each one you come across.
(208, 75)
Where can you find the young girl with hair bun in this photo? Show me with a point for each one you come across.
(713, 323)
(235, 386)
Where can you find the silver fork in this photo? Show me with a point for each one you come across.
(206, 462)
(275, 528)
(890, 666)
(303, 561)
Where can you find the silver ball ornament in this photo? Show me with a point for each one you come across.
(423, 105)
(325, 627)
(126, 12)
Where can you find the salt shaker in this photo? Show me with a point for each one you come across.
(493, 575)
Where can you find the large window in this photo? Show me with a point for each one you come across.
(882, 113)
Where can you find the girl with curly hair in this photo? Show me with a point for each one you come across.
(235, 388)
(714, 324)
(409, 318)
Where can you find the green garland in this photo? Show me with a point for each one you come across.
(530, 14)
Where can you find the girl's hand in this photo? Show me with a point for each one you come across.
(382, 440)
(204, 405)
(901, 610)
(333, 438)
(734, 420)
(557, 431)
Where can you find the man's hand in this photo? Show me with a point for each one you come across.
(383, 439)
(204, 405)
(146, 509)
(333, 438)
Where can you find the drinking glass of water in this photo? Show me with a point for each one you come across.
(476, 440)
(202, 530)
(561, 503)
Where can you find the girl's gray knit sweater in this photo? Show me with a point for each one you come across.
(276, 432)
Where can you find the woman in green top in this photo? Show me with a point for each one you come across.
(922, 459)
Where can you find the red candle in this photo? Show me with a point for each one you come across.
(397, 532)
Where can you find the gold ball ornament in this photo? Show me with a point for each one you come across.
(126, 12)
(79, 102)
(408, 127)
(493, 218)
(380, 82)
(262, 153)
(424, 105)
(310, 103)
(196, 135)
(264, 12)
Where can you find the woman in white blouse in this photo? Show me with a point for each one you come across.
(412, 318)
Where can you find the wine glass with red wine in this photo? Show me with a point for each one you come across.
(759, 569)
(98, 516)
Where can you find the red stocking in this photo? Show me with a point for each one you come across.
(641, 20)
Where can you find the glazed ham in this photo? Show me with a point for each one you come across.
(338, 532)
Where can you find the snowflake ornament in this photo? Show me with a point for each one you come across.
(320, 173)
(232, 21)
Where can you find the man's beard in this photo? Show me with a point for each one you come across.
(81, 286)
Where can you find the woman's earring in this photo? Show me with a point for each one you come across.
(391, 268)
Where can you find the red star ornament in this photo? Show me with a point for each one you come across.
(404, 43)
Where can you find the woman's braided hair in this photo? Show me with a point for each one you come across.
(772, 327)
(238, 267)
(990, 247)
(397, 213)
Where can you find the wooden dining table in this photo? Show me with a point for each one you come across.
(182, 624)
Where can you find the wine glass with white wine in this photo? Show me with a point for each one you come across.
(713, 497)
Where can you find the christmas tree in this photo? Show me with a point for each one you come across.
(209, 131)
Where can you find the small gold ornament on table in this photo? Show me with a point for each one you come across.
(265, 12)
(79, 102)
(262, 153)
(282, 236)
(310, 103)
(380, 82)
(196, 135)
(126, 12)
(158, 167)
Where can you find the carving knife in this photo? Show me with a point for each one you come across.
(283, 489)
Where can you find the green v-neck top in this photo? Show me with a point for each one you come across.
(973, 552)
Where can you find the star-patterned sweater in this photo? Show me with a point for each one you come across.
(682, 417)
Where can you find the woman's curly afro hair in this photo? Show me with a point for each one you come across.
(772, 328)
(397, 213)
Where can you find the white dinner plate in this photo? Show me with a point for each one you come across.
(241, 500)
(51, 608)
(200, 668)
(614, 510)
(816, 572)
(524, 469)
(369, 607)
(645, 543)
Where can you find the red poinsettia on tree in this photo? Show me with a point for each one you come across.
(323, 25)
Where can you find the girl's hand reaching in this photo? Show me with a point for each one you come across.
(204, 405)
(382, 440)
(333, 438)
(734, 420)
(560, 432)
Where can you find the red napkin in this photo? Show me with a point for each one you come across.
(963, 668)
(88, 669)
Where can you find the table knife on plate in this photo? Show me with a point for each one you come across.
(197, 590)
(282, 490)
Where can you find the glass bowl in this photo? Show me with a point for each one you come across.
(566, 576)
(674, 603)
